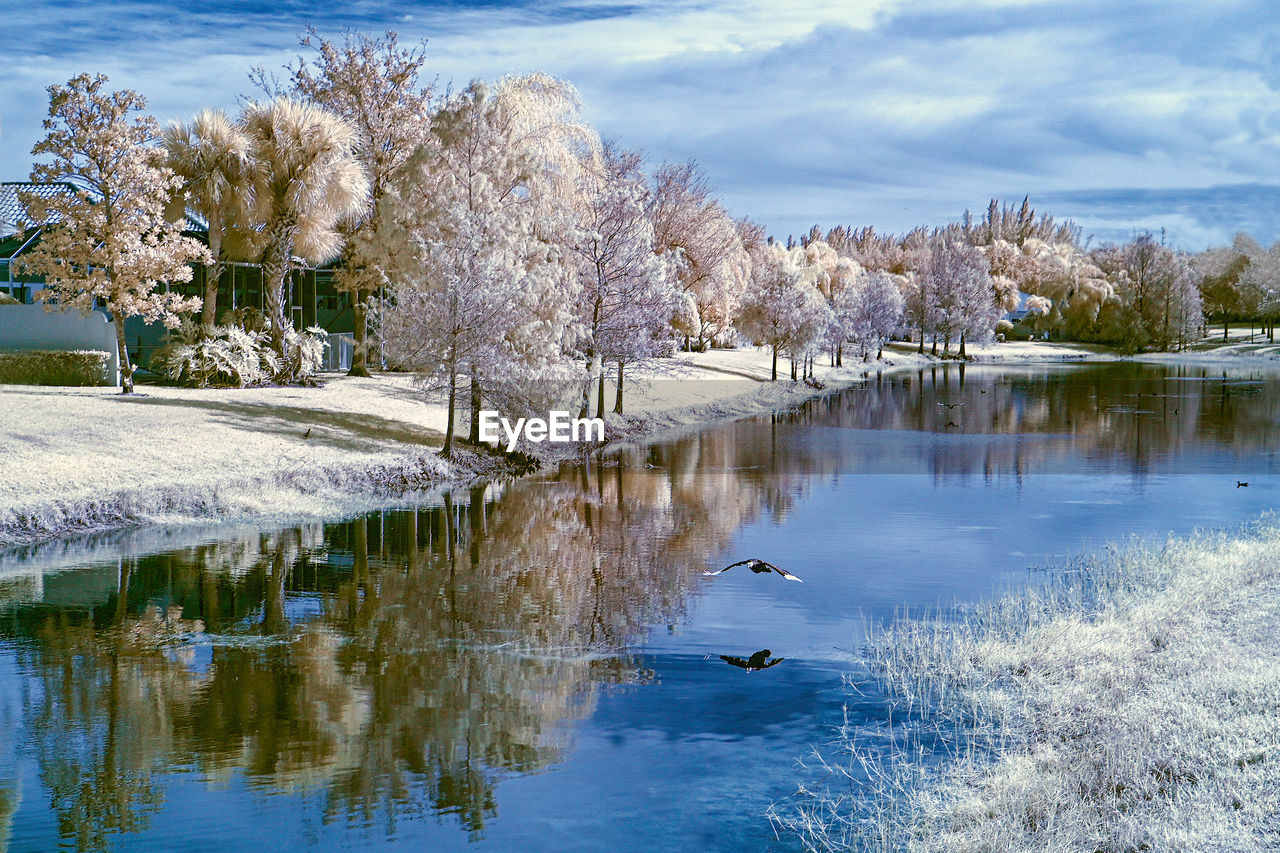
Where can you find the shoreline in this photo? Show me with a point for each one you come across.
(90, 460)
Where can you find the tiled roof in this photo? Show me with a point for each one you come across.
(13, 213)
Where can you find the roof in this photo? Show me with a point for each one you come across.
(13, 213)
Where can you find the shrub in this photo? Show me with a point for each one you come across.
(231, 355)
(49, 367)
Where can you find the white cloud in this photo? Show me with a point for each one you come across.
(877, 112)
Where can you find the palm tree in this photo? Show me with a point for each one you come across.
(308, 182)
(214, 159)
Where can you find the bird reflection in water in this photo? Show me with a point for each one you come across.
(758, 661)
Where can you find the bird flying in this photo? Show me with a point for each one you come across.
(951, 405)
(760, 567)
(1240, 484)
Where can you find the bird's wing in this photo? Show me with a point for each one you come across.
(786, 574)
(727, 568)
(729, 659)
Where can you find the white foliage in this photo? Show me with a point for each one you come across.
(871, 312)
(112, 243)
(782, 308)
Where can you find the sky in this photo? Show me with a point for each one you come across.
(1124, 117)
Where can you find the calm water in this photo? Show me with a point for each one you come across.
(538, 666)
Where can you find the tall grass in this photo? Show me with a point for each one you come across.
(1131, 702)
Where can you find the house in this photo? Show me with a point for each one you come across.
(313, 299)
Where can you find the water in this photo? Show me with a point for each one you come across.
(538, 665)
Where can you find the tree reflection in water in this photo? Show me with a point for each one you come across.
(401, 663)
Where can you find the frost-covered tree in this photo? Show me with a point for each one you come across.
(964, 302)
(782, 309)
(832, 274)
(627, 295)
(1039, 308)
(467, 292)
(1157, 298)
(469, 234)
(870, 311)
(711, 263)
(1221, 270)
(309, 181)
(375, 85)
(108, 243)
(214, 159)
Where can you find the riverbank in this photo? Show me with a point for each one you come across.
(84, 459)
(1132, 703)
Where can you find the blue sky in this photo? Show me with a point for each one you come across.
(1137, 116)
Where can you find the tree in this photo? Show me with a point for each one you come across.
(375, 86)
(109, 242)
(833, 274)
(214, 160)
(1073, 282)
(712, 265)
(1157, 298)
(626, 296)
(782, 309)
(871, 311)
(964, 306)
(472, 233)
(454, 309)
(1220, 270)
(308, 183)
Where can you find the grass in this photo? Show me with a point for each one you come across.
(1132, 702)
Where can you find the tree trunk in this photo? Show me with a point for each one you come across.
(474, 435)
(600, 393)
(1225, 326)
(774, 376)
(126, 366)
(447, 450)
(934, 351)
(792, 359)
(275, 275)
(617, 399)
(840, 354)
(962, 354)
(920, 349)
(212, 277)
(360, 334)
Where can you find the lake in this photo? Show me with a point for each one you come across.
(541, 664)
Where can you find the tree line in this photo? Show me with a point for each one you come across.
(494, 243)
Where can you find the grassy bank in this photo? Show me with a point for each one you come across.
(85, 459)
(1130, 703)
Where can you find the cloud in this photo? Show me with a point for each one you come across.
(876, 112)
